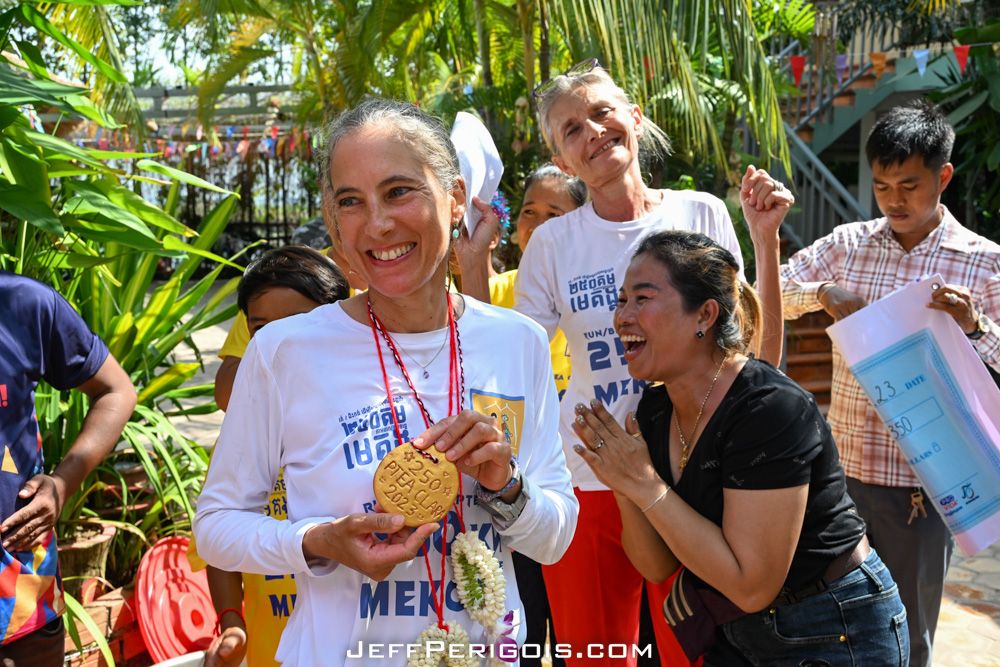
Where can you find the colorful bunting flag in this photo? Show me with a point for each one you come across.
(878, 62)
(962, 56)
(921, 56)
(798, 67)
(841, 66)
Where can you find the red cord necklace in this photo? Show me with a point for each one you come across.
(456, 396)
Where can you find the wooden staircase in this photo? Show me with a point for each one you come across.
(809, 355)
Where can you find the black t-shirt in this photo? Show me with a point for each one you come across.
(766, 434)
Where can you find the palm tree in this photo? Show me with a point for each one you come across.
(688, 64)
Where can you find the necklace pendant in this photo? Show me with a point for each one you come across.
(426, 374)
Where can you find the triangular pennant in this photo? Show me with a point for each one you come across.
(798, 66)
(8, 461)
(962, 56)
(841, 65)
(878, 62)
(921, 56)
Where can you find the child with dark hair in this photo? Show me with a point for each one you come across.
(909, 150)
(252, 608)
(288, 281)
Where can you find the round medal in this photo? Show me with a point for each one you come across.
(420, 485)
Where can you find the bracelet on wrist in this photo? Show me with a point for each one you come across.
(511, 483)
(658, 499)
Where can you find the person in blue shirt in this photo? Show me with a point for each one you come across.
(43, 338)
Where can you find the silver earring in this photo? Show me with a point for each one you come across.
(700, 333)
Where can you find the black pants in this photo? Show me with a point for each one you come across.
(42, 648)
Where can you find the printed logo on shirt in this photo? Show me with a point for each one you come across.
(8, 464)
(593, 290)
(371, 433)
(507, 410)
(3, 396)
(605, 351)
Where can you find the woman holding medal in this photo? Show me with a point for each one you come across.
(327, 395)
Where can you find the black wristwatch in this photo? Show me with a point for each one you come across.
(982, 326)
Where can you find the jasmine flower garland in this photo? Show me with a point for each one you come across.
(455, 635)
(480, 581)
(482, 589)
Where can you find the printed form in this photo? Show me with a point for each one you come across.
(933, 392)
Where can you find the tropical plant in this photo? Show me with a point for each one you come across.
(668, 55)
(72, 217)
(973, 103)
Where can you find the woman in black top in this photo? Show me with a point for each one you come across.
(729, 471)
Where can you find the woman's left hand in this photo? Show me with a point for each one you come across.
(619, 457)
(474, 443)
(475, 251)
(765, 201)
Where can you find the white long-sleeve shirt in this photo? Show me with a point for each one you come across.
(309, 397)
(569, 279)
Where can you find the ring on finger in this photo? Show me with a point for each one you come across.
(952, 299)
(600, 443)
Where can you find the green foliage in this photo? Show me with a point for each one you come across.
(74, 217)
(913, 22)
(973, 105)
(76, 613)
(786, 18)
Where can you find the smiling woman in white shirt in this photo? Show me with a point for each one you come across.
(326, 395)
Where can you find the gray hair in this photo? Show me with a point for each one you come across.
(653, 141)
(426, 134)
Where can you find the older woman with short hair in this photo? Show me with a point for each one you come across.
(569, 279)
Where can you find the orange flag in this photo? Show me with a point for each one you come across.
(878, 63)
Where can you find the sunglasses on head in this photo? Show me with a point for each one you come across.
(583, 67)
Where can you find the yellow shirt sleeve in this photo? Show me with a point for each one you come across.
(237, 339)
(502, 289)
(502, 294)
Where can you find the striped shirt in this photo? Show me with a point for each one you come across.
(865, 258)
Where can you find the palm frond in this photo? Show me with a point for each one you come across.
(657, 51)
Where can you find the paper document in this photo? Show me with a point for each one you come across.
(479, 162)
(938, 401)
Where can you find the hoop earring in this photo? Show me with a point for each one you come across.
(699, 334)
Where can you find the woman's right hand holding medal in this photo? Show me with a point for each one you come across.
(351, 541)
(474, 443)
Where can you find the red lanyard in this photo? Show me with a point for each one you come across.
(456, 391)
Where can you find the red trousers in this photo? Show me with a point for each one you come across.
(595, 593)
